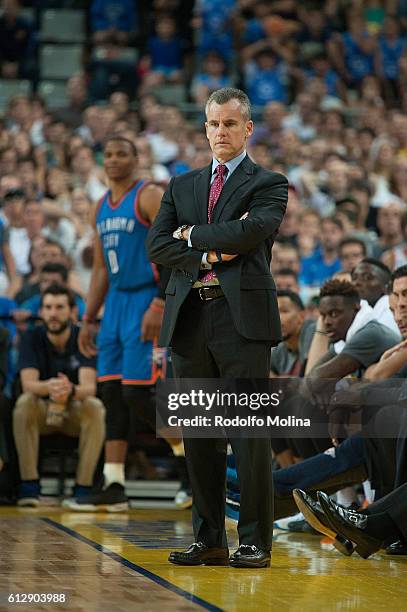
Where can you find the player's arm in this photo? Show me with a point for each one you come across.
(99, 285)
(149, 205)
(87, 384)
(391, 362)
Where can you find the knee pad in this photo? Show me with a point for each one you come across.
(140, 401)
(117, 411)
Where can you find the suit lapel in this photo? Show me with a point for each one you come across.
(238, 178)
(201, 193)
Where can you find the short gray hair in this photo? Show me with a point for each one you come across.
(221, 96)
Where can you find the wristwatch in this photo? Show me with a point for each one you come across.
(178, 232)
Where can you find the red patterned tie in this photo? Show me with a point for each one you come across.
(214, 194)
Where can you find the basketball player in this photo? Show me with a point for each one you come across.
(126, 282)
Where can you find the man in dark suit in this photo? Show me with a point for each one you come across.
(215, 230)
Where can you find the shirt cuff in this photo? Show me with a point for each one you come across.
(189, 235)
(205, 265)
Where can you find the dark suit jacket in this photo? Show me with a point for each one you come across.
(246, 280)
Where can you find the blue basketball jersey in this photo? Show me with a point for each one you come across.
(122, 232)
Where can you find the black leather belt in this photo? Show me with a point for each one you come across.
(209, 293)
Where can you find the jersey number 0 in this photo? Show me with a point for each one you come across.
(113, 263)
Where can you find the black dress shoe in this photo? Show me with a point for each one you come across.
(250, 556)
(315, 516)
(200, 554)
(349, 524)
(397, 548)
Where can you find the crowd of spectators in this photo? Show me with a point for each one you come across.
(328, 83)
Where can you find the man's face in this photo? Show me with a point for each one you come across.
(351, 255)
(33, 216)
(227, 130)
(50, 278)
(51, 253)
(389, 220)
(337, 315)
(399, 298)
(331, 235)
(56, 313)
(286, 282)
(400, 315)
(286, 257)
(119, 160)
(369, 282)
(291, 317)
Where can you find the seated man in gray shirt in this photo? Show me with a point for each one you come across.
(290, 356)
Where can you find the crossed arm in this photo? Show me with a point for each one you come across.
(238, 236)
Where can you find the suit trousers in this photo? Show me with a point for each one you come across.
(205, 344)
(394, 505)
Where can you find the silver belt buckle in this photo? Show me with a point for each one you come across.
(201, 293)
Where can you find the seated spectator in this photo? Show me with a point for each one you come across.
(348, 211)
(271, 128)
(15, 41)
(285, 255)
(352, 52)
(212, 76)
(389, 226)
(290, 356)
(287, 280)
(76, 93)
(52, 273)
(13, 217)
(289, 227)
(28, 283)
(309, 228)
(87, 174)
(302, 117)
(351, 253)
(59, 389)
(112, 20)
(320, 68)
(213, 21)
(372, 281)
(165, 55)
(391, 47)
(324, 262)
(323, 195)
(265, 80)
(164, 144)
(397, 256)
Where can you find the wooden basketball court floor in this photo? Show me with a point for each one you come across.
(118, 563)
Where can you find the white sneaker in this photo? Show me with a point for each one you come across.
(28, 502)
(283, 522)
(183, 499)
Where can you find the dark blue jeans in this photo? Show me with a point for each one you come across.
(303, 475)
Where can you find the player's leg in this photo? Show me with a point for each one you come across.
(143, 365)
(109, 367)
